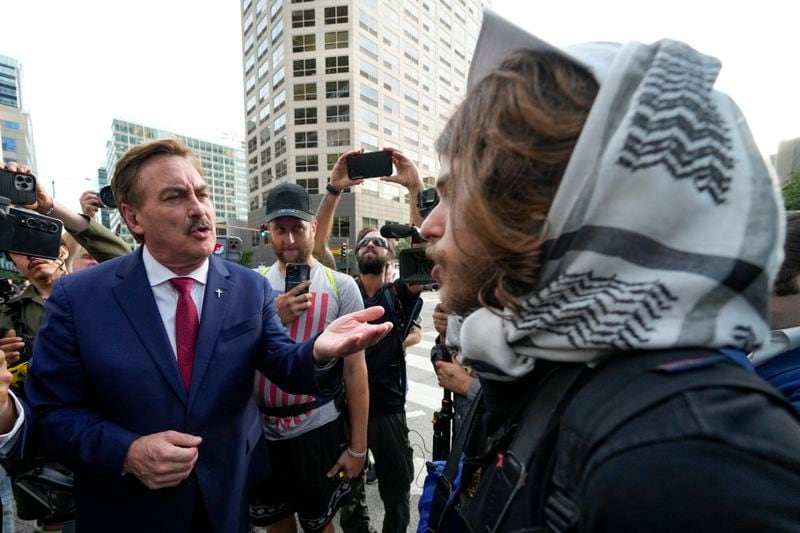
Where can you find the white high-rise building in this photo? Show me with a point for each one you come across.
(324, 76)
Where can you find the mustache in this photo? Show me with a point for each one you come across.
(200, 223)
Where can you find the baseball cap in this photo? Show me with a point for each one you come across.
(288, 200)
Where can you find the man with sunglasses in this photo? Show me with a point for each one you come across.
(387, 430)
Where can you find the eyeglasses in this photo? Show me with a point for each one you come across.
(377, 241)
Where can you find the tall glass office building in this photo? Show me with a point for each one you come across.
(324, 76)
(16, 130)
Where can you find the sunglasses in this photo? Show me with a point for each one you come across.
(377, 241)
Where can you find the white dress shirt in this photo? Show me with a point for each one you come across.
(167, 296)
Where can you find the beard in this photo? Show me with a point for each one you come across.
(460, 282)
(371, 264)
(301, 256)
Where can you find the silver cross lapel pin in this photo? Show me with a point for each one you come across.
(219, 292)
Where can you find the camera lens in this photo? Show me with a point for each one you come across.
(107, 197)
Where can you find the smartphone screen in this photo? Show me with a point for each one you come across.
(297, 273)
(369, 165)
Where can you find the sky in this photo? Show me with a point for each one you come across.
(176, 64)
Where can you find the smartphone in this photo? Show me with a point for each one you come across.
(19, 187)
(29, 233)
(297, 273)
(369, 165)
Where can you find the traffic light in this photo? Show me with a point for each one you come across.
(343, 250)
(264, 231)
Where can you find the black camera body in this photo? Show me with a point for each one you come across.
(18, 187)
(26, 232)
(107, 197)
(415, 267)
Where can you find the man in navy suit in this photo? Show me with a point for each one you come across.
(143, 366)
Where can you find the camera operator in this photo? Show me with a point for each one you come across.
(387, 431)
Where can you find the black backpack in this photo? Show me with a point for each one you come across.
(542, 465)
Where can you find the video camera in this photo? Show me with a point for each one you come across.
(415, 266)
(23, 231)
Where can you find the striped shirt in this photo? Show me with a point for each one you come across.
(326, 306)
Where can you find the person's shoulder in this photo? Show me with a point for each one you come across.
(98, 274)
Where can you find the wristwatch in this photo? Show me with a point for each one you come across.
(331, 190)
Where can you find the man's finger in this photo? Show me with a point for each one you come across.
(183, 440)
(369, 314)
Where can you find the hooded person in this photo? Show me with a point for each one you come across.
(622, 230)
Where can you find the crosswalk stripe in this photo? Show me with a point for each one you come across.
(424, 395)
(414, 414)
(420, 362)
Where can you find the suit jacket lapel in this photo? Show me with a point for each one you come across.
(136, 299)
(215, 305)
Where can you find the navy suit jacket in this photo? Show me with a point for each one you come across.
(104, 374)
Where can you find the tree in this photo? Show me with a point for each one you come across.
(246, 258)
(791, 192)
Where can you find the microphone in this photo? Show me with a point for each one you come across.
(400, 231)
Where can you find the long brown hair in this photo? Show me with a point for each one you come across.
(509, 144)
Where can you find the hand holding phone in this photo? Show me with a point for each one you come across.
(369, 165)
(297, 273)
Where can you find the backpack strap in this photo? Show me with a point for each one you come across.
(604, 405)
(332, 280)
(508, 471)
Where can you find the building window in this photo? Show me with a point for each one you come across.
(277, 31)
(390, 105)
(311, 185)
(368, 23)
(391, 128)
(337, 113)
(368, 222)
(306, 163)
(266, 155)
(279, 101)
(278, 77)
(335, 15)
(304, 43)
(338, 138)
(303, 18)
(304, 67)
(278, 54)
(337, 89)
(275, 9)
(305, 91)
(264, 135)
(337, 64)
(332, 159)
(369, 95)
(280, 147)
(281, 169)
(390, 82)
(341, 227)
(368, 117)
(305, 115)
(369, 47)
(337, 39)
(305, 139)
(369, 71)
(280, 124)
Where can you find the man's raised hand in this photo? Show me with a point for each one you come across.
(350, 333)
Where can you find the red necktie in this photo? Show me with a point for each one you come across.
(186, 326)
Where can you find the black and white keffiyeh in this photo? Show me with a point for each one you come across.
(666, 229)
